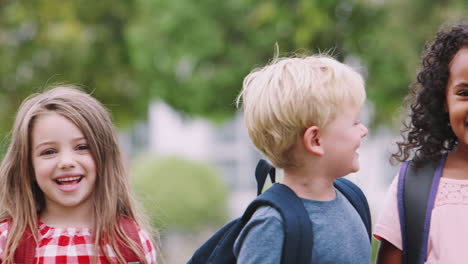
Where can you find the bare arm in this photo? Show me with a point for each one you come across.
(388, 253)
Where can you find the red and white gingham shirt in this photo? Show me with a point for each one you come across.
(71, 245)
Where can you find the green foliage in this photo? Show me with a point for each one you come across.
(374, 250)
(194, 54)
(180, 194)
(43, 42)
(391, 45)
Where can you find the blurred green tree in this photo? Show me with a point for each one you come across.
(194, 54)
(391, 45)
(179, 194)
(82, 42)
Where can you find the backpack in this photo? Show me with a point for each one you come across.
(298, 240)
(416, 193)
(26, 250)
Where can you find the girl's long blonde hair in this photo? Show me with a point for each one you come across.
(21, 199)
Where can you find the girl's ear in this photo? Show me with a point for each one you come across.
(311, 141)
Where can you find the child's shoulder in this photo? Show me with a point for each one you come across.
(266, 212)
(4, 226)
(127, 221)
(266, 221)
(138, 234)
(141, 236)
(131, 227)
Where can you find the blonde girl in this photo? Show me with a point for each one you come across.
(64, 186)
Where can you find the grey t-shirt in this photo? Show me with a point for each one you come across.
(339, 235)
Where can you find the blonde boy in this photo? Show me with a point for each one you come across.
(303, 115)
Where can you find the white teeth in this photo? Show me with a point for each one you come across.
(68, 179)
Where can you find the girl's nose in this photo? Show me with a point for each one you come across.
(66, 161)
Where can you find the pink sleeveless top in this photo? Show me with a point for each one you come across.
(448, 233)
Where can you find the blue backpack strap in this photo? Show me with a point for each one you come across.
(401, 211)
(357, 198)
(262, 170)
(297, 246)
(416, 193)
(298, 239)
(298, 236)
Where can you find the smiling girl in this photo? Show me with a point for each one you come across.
(64, 191)
(436, 135)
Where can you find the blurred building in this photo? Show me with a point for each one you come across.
(225, 145)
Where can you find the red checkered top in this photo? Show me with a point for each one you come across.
(72, 245)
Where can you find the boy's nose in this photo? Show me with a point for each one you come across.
(364, 130)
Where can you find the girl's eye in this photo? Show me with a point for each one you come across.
(82, 147)
(357, 122)
(462, 93)
(48, 152)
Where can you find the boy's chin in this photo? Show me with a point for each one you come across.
(355, 168)
(351, 170)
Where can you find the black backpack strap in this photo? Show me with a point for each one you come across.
(417, 189)
(262, 170)
(357, 198)
(298, 239)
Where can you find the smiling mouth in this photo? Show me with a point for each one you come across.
(68, 180)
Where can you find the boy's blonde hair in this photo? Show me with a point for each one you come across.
(289, 95)
(21, 199)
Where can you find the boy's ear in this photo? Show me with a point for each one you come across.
(311, 141)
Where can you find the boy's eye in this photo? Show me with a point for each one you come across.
(48, 152)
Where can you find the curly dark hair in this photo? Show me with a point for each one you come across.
(428, 134)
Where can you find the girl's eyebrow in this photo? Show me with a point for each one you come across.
(43, 143)
(457, 86)
(461, 84)
(51, 142)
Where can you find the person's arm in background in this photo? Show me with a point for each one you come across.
(388, 253)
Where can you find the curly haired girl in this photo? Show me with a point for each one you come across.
(437, 132)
